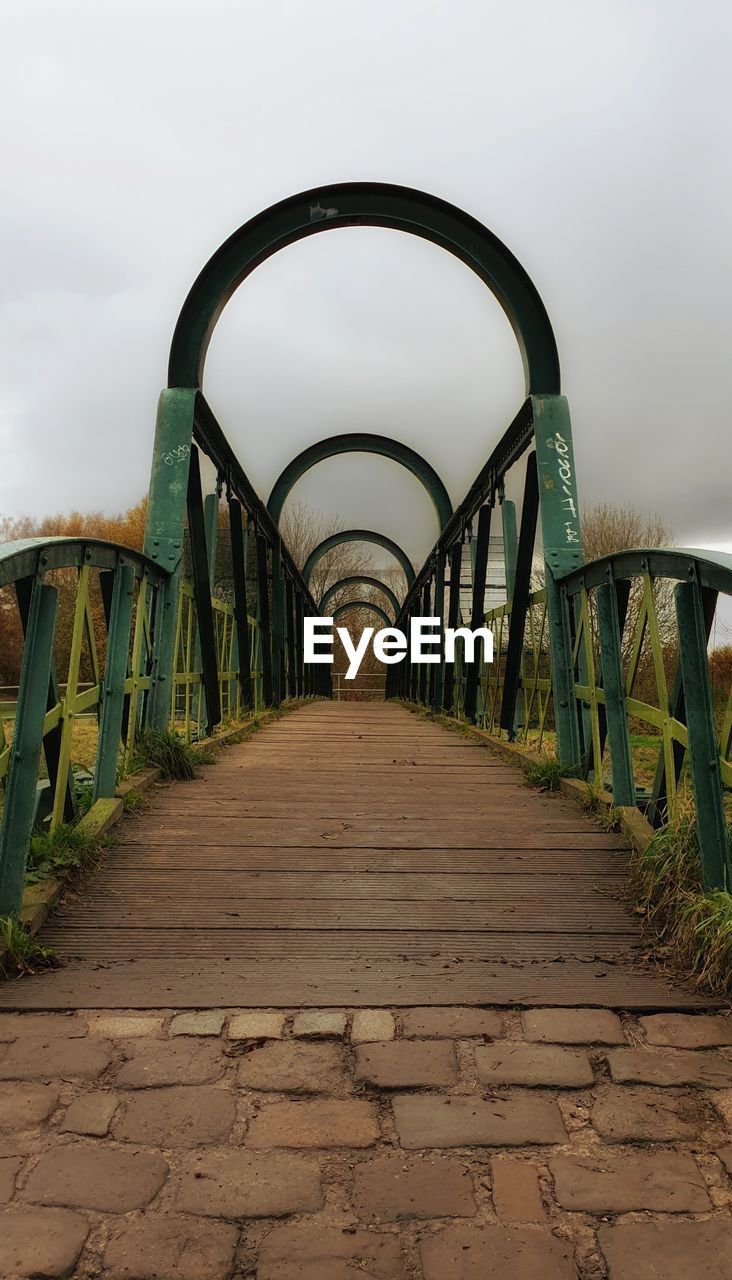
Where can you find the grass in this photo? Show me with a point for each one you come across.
(66, 850)
(693, 926)
(546, 774)
(19, 952)
(134, 802)
(168, 752)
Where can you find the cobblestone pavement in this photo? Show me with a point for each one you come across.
(422, 1144)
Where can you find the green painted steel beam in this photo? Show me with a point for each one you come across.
(365, 204)
(112, 692)
(359, 535)
(361, 442)
(20, 790)
(613, 683)
(703, 748)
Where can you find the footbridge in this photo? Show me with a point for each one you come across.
(355, 853)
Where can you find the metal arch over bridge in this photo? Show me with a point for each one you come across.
(349, 605)
(363, 579)
(365, 204)
(361, 442)
(166, 650)
(359, 535)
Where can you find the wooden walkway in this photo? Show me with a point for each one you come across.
(352, 854)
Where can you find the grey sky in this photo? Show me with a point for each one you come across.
(593, 138)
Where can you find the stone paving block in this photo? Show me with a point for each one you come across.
(516, 1191)
(625, 1114)
(371, 1025)
(176, 1116)
(683, 1066)
(620, 1182)
(289, 1066)
(687, 1030)
(207, 1023)
(307, 1251)
(120, 1026)
(157, 1248)
(722, 1100)
(549, 1065)
(247, 1184)
(451, 1024)
(572, 1026)
(326, 1123)
(96, 1177)
(496, 1253)
(53, 1057)
(10, 1167)
(667, 1250)
(423, 1120)
(407, 1064)
(14, 1026)
(256, 1024)
(25, 1106)
(41, 1244)
(392, 1188)
(320, 1023)
(153, 1063)
(91, 1113)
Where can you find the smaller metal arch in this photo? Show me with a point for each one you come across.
(360, 577)
(362, 604)
(361, 442)
(359, 535)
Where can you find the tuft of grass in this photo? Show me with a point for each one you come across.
(168, 752)
(134, 802)
(545, 775)
(695, 926)
(19, 952)
(67, 849)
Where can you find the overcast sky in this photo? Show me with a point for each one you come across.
(593, 138)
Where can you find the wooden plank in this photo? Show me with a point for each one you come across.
(353, 854)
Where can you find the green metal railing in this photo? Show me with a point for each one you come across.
(646, 720)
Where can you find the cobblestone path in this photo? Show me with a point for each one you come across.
(414, 1144)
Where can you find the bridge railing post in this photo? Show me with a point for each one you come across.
(562, 539)
(166, 510)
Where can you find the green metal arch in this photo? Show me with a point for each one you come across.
(359, 535)
(362, 578)
(361, 442)
(366, 204)
(362, 604)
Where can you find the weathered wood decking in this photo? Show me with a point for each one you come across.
(351, 854)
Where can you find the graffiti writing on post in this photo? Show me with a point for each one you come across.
(566, 485)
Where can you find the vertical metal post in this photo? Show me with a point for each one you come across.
(290, 633)
(163, 542)
(53, 739)
(202, 592)
(510, 544)
(613, 683)
(562, 539)
(703, 748)
(20, 790)
(439, 667)
(264, 618)
(278, 624)
(477, 616)
(453, 612)
(521, 593)
(424, 667)
(112, 693)
(241, 608)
